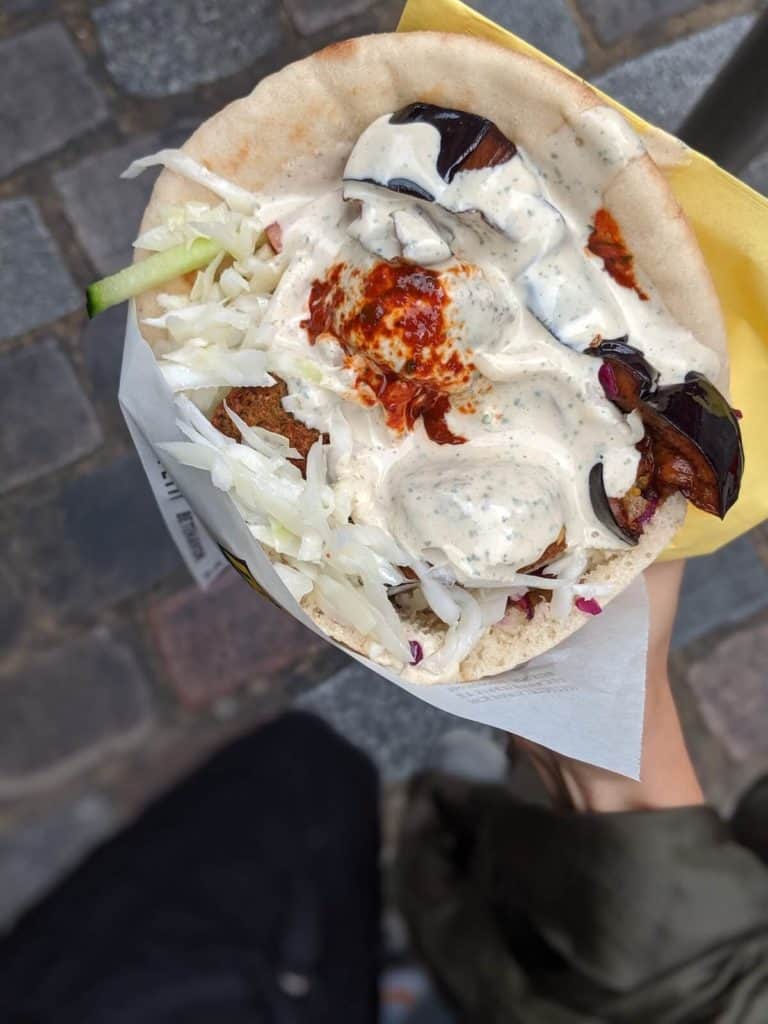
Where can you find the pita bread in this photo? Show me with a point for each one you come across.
(305, 119)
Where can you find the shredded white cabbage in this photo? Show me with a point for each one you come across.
(274, 446)
(210, 322)
(343, 602)
(199, 365)
(569, 568)
(206, 288)
(517, 579)
(439, 597)
(493, 604)
(296, 518)
(232, 283)
(222, 336)
(341, 439)
(238, 238)
(234, 196)
(462, 636)
(297, 583)
(178, 225)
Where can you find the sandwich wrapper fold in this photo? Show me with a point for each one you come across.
(584, 698)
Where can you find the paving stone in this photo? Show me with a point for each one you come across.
(26, 6)
(756, 173)
(41, 436)
(104, 209)
(309, 16)
(616, 18)
(98, 540)
(11, 609)
(46, 96)
(102, 344)
(720, 776)
(732, 689)
(720, 590)
(36, 852)
(395, 729)
(159, 49)
(546, 24)
(663, 85)
(35, 286)
(217, 641)
(68, 708)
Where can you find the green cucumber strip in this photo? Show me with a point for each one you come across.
(149, 273)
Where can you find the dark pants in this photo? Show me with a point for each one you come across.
(248, 895)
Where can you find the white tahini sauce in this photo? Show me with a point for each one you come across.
(525, 300)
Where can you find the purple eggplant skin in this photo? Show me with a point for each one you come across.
(631, 359)
(705, 425)
(602, 507)
(404, 186)
(461, 133)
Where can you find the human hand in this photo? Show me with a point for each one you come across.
(668, 778)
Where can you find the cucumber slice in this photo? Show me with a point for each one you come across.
(149, 273)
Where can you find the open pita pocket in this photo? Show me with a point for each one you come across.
(300, 125)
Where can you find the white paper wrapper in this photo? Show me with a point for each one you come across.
(585, 698)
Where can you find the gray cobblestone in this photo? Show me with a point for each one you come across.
(26, 6)
(546, 24)
(395, 729)
(35, 286)
(11, 609)
(46, 96)
(741, 591)
(39, 850)
(662, 86)
(214, 643)
(309, 16)
(96, 541)
(614, 19)
(68, 708)
(40, 437)
(756, 173)
(104, 209)
(159, 49)
(730, 687)
(102, 344)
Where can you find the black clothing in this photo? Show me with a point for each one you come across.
(254, 879)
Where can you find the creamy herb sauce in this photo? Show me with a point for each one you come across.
(525, 300)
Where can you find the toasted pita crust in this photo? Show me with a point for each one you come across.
(304, 120)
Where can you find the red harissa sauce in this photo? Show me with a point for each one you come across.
(607, 242)
(401, 307)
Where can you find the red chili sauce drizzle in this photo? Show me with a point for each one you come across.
(607, 242)
(403, 305)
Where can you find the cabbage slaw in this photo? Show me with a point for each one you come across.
(356, 574)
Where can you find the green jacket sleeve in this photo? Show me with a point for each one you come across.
(527, 914)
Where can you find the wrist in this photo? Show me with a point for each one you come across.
(667, 776)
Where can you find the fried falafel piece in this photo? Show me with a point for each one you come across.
(263, 407)
(549, 554)
(638, 505)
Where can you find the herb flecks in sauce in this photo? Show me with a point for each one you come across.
(460, 308)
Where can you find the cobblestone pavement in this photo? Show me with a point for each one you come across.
(116, 675)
